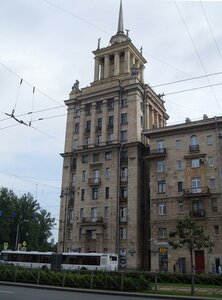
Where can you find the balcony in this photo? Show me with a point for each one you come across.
(200, 213)
(92, 221)
(194, 148)
(87, 130)
(123, 220)
(123, 199)
(124, 160)
(98, 128)
(157, 153)
(94, 181)
(196, 192)
(110, 127)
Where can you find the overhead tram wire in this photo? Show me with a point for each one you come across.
(198, 55)
(193, 89)
(211, 30)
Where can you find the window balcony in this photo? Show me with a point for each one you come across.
(110, 127)
(200, 213)
(194, 148)
(94, 181)
(87, 130)
(98, 128)
(196, 192)
(123, 219)
(124, 160)
(157, 153)
(92, 221)
(123, 199)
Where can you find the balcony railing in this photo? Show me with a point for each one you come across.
(98, 128)
(200, 191)
(110, 126)
(123, 199)
(194, 148)
(200, 213)
(92, 220)
(94, 181)
(156, 153)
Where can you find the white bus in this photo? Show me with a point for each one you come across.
(60, 261)
(29, 259)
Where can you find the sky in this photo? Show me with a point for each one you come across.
(45, 45)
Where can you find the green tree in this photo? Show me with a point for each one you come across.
(23, 220)
(190, 235)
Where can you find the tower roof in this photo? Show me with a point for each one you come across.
(120, 36)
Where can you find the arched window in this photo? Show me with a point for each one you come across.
(194, 146)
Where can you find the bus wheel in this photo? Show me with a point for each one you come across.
(83, 269)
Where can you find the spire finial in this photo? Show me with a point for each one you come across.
(120, 22)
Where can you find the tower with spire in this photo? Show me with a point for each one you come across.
(105, 195)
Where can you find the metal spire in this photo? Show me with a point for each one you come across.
(120, 22)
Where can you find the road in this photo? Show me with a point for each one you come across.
(10, 292)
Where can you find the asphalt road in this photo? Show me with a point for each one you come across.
(10, 292)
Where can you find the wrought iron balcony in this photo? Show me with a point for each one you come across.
(157, 153)
(92, 220)
(193, 192)
(200, 213)
(194, 148)
(94, 181)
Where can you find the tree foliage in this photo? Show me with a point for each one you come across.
(23, 217)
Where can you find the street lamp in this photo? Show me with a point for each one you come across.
(17, 232)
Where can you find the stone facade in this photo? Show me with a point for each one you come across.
(104, 200)
(185, 179)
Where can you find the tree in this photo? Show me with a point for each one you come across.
(190, 235)
(23, 220)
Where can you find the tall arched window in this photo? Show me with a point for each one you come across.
(194, 146)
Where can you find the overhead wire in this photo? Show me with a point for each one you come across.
(197, 53)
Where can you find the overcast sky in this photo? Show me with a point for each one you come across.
(49, 44)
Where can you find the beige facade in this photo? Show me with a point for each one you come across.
(104, 199)
(185, 179)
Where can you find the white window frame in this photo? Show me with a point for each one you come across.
(195, 163)
(161, 166)
(179, 165)
(211, 161)
(162, 209)
(108, 173)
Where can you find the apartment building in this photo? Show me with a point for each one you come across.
(185, 179)
(104, 199)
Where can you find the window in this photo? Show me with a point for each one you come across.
(95, 157)
(124, 102)
(161, 166)
(110, 138)
(108, 155)
(85, 158)
(93, 234)
(179, 186)
(99, 106)
(124, 192)
(99, 124)
(216, 229)
(83, 195)
(77, 111)
(75, 144)
(196, 185)
(194, 146)
(81, 213)
(179, 165)
(106, 212)
(210, 161)
(123, 233)
(214, 204)
(98, 139)
(108, 173)
(83, 175)
(161, 146)
(96, 176)
(162, 208)
(162, 233)
(212, 183)
(95, 192)
(71, 216)
(73, 179)
(88, 126)
(76, 128)
(141, 121)
(107, 193)
(124, 156)
(110, 122)
(80, 233)
(161, 186)
(180, 207)
(94, 214)
(195, 163)
(123, 135)
(124, 118)
(124, 173)
(87, 141)
(123, 214)
(178, 144)
(110, 104)
(88, 108)
(209, 140)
